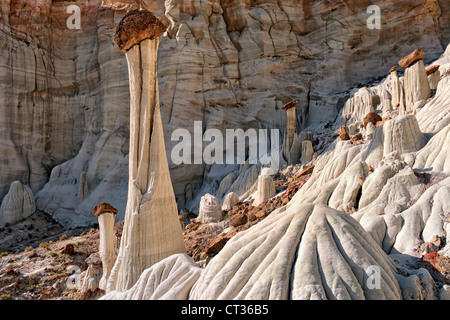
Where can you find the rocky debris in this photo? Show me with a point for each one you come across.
(214, 247)
(373, 118)
(436, 244)
(30, 232)
(204, 241)
(118, 229)
(18, 204)
(68, 249)
(438, 266)
(41, 273)
(90, 294)
(412, 58)
(210, 210)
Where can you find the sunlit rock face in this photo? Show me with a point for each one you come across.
(64, 98)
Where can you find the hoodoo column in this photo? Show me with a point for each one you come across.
(151, 231)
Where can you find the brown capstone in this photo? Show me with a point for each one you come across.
(412, 58)
(432, 70)
(102, 208)
(290, 105)
(372, 117)
(344, 134)
(136, 26)
(394, 68)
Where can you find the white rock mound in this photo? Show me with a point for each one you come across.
(169, 279)
(17, 204)
(401, 134)
(210, 209)
(305, 252)
(265, 189)
(230, 200)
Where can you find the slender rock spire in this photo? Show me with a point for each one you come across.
(291, 143)
(151, 230)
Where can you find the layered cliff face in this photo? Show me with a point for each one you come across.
(230, 64)
(64, 124)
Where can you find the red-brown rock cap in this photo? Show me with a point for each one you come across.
(102, 208)
(372, 117)
(290, 105)
(432, 70)
(394, 68)
(136, 26)
(412, 58)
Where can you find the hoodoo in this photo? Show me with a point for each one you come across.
(291, 143)
(151, 230)
(416, 85)
(106, 216)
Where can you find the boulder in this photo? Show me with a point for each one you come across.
(231, 199)
(264, 190)
(210, 210)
